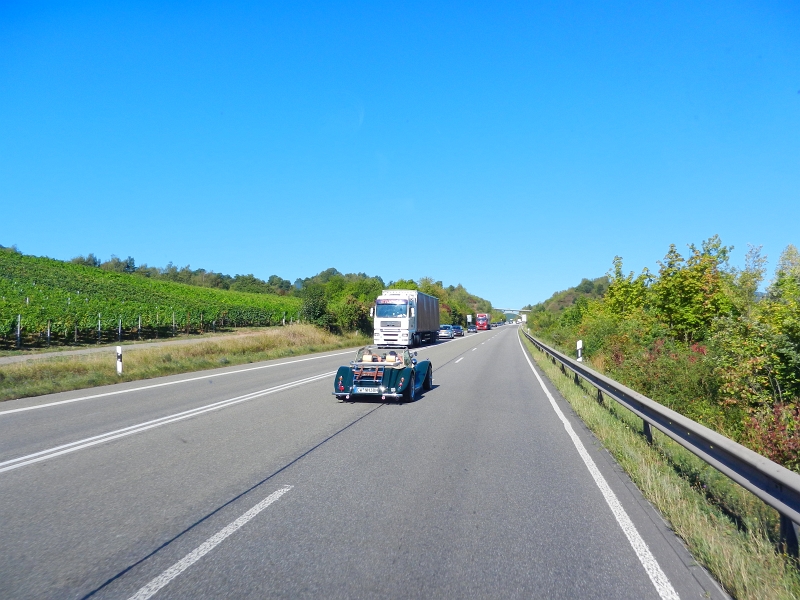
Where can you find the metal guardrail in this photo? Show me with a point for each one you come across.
(777, 486)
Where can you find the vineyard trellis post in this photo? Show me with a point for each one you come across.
(139, 330)
(48, 333)
(173, 323)
(19, 336)
(284, 318)
(98, 328)
(119, 330)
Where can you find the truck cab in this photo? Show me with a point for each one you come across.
(405, 319)
(394, 318)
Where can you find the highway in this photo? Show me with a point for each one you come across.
(255, 482)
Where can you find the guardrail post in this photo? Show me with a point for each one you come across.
(647, 431)
(599, 396)
(119, 360)
(577, 380)
(789, 536)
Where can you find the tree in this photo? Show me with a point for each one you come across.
(250, 283)
(689, 294)
(626, 293)
(120, 266)
(90, 260)
(315, 306)
(403, 284)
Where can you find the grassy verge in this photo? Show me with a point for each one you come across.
(32, 351)
(729, 531)
(59, 374)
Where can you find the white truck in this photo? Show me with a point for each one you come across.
(405, 318)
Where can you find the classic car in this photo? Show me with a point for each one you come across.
(394, 374)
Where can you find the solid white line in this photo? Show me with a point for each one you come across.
(16, 463)
(187, 561)
(459, 360)
(158, 385)
(651, 566)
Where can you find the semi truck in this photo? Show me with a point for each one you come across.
(405, 318)
(483, 321)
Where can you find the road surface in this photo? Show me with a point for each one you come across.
(255, 482)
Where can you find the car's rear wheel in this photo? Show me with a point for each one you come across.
(428, 383)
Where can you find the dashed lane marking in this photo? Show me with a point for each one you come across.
(16, 463)
(187, 561)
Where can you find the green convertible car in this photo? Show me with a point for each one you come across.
(394, 374)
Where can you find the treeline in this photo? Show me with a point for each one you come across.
(699, 337)
(334, 300)
(342, 302)
(197, 277)
(87, 299)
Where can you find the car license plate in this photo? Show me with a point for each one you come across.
(366, 390)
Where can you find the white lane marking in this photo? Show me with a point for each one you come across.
(459, 360)
(158, 385)
(474, 349)
(187, 561)
(651, 566)
(16, 463)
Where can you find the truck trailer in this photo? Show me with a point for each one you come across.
(405, 318)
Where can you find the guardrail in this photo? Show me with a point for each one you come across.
(777, 486)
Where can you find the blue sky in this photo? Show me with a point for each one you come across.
(512, 147)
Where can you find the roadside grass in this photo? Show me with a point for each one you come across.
(60, 374)
(729, 531)
(110, 341)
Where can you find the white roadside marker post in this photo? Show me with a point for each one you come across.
(119, 360)
(580, 350)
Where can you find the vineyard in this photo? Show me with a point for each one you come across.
(74, 302)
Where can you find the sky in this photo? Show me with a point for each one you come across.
(511, 147)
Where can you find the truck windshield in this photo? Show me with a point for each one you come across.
(391, 308)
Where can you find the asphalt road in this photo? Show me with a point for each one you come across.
(255, 482)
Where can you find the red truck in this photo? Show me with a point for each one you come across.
(483, 321)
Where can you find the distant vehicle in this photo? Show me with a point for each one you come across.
(446, 331)
(375, 372)
(405, 318)
(458, 331)
(472, 329)
(483, 322)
